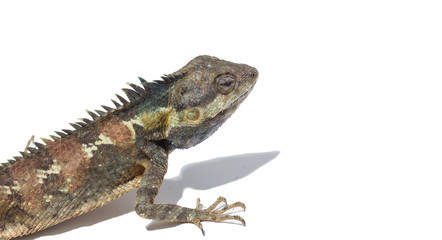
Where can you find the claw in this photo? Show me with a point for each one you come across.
(216, 203)
(217, 216)
(228, 207)
(240, 219)
(200, 226)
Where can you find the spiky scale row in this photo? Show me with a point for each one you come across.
(93, 115)
(117, 105)
(171, 78)
(29, 151)
(61, 134)
(122, 100)
(40, 145)
(54, 138)
(85, 120)
(32, 150)
(108, 109)
(137, 89)
(131, 94)
(134, 94)
(137, 92)
(76, 126)
(101, 113)
(45, 140)
(67, 131)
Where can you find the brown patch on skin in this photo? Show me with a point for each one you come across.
(25, 173)
(73, 162)
(116, 130)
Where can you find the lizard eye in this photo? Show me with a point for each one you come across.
(225, 83)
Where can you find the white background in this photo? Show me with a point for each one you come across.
(340, 139)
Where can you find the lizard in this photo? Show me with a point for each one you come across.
(123, 148)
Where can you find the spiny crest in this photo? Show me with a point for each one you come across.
(172, 78)
(134, 93)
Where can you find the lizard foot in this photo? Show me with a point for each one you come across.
(212, 215)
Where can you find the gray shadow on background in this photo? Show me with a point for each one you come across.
(200, 176)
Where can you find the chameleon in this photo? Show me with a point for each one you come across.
(125, 147)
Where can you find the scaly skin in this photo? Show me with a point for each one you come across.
(124, 148)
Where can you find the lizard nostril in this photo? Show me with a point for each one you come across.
(253, 72)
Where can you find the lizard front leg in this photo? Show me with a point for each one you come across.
(150, 185)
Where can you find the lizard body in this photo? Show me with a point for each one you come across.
(123, 148)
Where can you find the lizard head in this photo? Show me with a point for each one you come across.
(205, 97)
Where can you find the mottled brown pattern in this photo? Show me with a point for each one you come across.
(72, 159)
(116, 131)
(25, 173)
